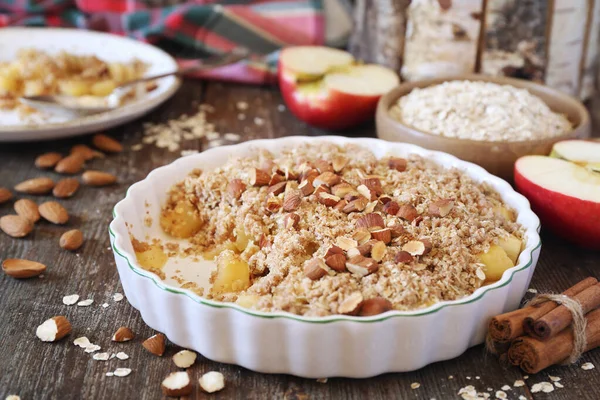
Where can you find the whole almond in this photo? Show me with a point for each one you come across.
(123, 334)
(71, 240)
(258, 177)
(65, 188)
(53, 329)
(399, 164)
(107, 144)
(5, 195)
(48, 160)
(291, 200)
(84, 151)
(19, 268)
(155, 344)
(35, 186)
(27, 209)
(54, 212)
(15, 225)
(71, 164)
(98, 178)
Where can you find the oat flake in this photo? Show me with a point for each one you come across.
(505, 387)
(558, 385)
(545, 387)
(117, 297)
(82, 342)
(85, 303)
(532, 290)
(70, 299)
(415, 385)
(554, 378)
(122, 371)
(101, 356)
(92, 348)
(121, 356)
(587, 366)
(322, 380)
(519, 383)
(110, 373)
(501, 395)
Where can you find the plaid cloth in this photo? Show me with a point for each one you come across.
(188, 29)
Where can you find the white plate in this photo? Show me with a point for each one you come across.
(105, 46)
(281, 342)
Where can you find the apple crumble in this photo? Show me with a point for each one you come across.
(326, 229)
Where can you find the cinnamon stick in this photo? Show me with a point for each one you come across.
(558, 319)
(534, 355)
(508, 326)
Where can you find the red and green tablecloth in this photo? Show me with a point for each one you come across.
(187, 29)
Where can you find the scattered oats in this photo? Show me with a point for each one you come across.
(110, 373)
(241, 117)
(587, 366)
(468, 378)
(490, 389)
(545, 387)
(501, 395)
(41, 276)
(92, 348)
(468, 392)
(70, 300)
(415, 385)
(232, 137)
(82, 342)
(281, 108)
(122, 371)
(85, 303)
(242, 105)
(259, 121)
(101, 356)
(451, 377)
(526, 377)
(519, 383)
(554, 378)
(113, 355)
(477, 377)
(532, 290)
(212, 136)
(137, 147)
(13, 397)
(184, 358)
(558, 385)
(521, 397)
(121, 356)
(117, 297)
(322, 380)
(212, 381)
(505, 387)
(215, 143)
(188, 152)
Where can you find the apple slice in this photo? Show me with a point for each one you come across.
(324, 88)
(582, 152)
(564, 195)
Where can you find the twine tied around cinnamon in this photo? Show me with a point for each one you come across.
(579, 321)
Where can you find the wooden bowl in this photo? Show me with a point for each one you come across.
(498, 157)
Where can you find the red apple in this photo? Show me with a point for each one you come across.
(564, 195)
(581, 152)
(325, 88)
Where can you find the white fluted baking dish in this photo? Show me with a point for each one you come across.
(281, 342)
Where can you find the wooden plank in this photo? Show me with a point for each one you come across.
(62, 371)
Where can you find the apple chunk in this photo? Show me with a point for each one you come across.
(582, 152)
(564, 195)
(324, 88)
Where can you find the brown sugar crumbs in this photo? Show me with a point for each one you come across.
(326, 229)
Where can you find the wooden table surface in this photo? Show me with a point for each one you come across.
(60, 370)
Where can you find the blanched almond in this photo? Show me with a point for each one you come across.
(15, 226)
(375, 306)
(315, 269)
(27, 209)
(258, 177)
(361, 235)
(20, 268)
(71, 240)
(184, 358)
(235, 188)
(35, 186)
(399, 164)
(336, 262)
(5, 195)
(98, 178)
(54, 212)
(71, 164)
(342, 189)
(48, 160)
(351, 304)
(106, 144)
(65, 188)
(345, 243)
(370, 220)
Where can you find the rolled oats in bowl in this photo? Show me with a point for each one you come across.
(480, 111)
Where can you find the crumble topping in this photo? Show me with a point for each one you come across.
(432, 221)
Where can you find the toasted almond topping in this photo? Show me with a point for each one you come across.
(378, 251)
(106, 144)
(333, 249)
(371, 183)
(264, 242)
(276, 178)
(27, 209)
(212, 381)
(48, 160)
(356, 205)
(309, 175)
(277, 188)
(35, 186)
(340, 205)
(98, 178)
(361, 266)
(155, 344)
(396, 229)
(399, 164)
(328, 179)
(71, 240)
(345, 243)
(321, 189)
(391, 207)
(291, 220)
(361, 250)
(315, 269)
(414, 247)
(258, 177)
(5, 195)
(54, 212)
(65, 188)
(323, 166)
(342, 189)
(385, 235)
(441, 208)
(428, 245)
(370, 220)
(177, 384)
(366, 192)
(53, 329)
(71, 164)
(362, 235)
(403, 257)
(339, 162)
(328, 199)
(292, 200)
(123, 334)
(16, 225)
(20, 268)
(306, 188)
(375, 306)
(351, 304)
(407, 212)
(235, 188)
(273, 204)
(336, 262)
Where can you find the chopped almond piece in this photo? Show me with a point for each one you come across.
(407, 212)
(291, 221)
(414, 247)
(292, 200)
(336, 262)
(362, 266)
(370, 220)
(441, 208)
(375, 306)
(399, 164)
(351, 304)
(391, 207)
(328, 179)
(277, 188)
(315, 269)
(258, 177)
(385, 235)
(328, 199)
(403, 257)
(306, 188)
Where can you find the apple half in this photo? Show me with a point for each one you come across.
(581, 152)
(324, 87)
(565, 196)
